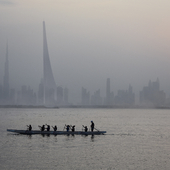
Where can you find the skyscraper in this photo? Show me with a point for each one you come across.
(109, 95)
(49, 82)
(6, 79)
(85, 96)
(108, 91)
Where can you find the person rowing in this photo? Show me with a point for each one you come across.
(92, 126)
(73, 128)
(85, 128)
(29, 127)
(42, 128)
(67, 127)
(54, 127)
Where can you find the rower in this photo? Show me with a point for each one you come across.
(73, 128)
(42, 127)
(92, 126)
(55, 128)
(68, 128)
(85, 128)
(29, 127)
(48, 128)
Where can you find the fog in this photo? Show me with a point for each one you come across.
(88, 42)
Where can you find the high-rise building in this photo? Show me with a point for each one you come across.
(109, 95)
(152, 95)
(49, 82)
(96, 99)
(85, 97)
(125, 97)
(108, 91)
(6, 79)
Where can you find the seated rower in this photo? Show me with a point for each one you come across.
(42, 128)
(55, 128)
(29, 127)
(85, 128)
(73, 128)
(68, 128)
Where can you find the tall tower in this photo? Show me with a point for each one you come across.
(49, 82)
(108, 91)
(6, 78)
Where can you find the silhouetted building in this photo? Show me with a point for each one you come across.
(49, 82)
(109, 100)
(85, 97)
(26, 96)
(152, 95)
(96, 99)
(125, 97)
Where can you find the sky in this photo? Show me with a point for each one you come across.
(88, 41)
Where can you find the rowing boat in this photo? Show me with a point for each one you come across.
(34, 132)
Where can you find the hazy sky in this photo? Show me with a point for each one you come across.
(89, 41)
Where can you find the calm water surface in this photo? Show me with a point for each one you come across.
(136, 139)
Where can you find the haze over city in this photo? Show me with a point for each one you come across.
(88, 42)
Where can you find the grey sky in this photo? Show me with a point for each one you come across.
(6, 2)
(88, 41)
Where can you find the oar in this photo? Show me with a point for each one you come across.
(97, 129)
(83, 126)
(27, 127)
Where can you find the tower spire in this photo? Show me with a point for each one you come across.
(49, 82)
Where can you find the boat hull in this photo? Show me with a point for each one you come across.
(34, 132)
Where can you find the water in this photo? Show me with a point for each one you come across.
(136, 139)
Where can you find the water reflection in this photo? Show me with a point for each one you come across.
(44, 135)
(92, 138)
(29, 136)
(69, 137)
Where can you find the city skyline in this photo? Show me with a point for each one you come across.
(49, 94)
(151, 95)
(88, 42)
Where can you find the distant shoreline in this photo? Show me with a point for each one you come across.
(80, 106)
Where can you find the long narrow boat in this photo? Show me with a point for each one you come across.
(34, 132)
